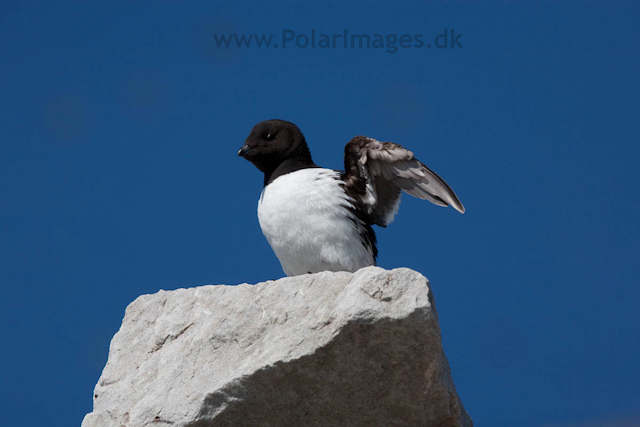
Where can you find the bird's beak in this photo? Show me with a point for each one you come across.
(244, 150)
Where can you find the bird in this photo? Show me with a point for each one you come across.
(317, 219)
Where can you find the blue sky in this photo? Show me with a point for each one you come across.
(119, 177)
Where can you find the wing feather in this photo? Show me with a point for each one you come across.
(377, 172)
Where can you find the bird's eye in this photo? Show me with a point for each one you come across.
(269, 136)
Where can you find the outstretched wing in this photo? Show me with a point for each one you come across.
(377, 172)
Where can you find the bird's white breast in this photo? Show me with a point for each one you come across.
(305, 216)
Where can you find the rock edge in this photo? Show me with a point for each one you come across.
(328, 349)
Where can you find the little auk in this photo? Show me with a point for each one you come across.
(318, 219)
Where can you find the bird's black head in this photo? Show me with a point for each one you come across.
(276, 145)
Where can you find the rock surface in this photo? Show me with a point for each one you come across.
(328, 349)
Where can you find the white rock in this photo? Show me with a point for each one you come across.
(329, 349)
